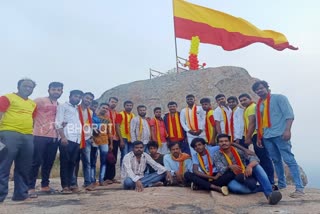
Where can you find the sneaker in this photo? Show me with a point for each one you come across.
(274, 197)
(194, 186)
(297, 194)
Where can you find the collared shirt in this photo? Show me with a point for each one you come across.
(120, 120)
(67, 113)
(162, 129)
(135, 170)
(201, 116)
(249, 111)
(173, 166)
(238, 123)
(221, 163)
(86, 127)
(218, 116)
(280, 112)
(211, 150)
(45, 118)
(135, 129)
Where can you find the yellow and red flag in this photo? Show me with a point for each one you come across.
(218, 28)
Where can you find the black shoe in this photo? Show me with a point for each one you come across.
(275, 187)
(274, 197)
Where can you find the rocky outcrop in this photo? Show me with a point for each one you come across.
(175, 86)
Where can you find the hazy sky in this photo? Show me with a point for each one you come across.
(96, 45)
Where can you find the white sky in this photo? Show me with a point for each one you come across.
(96, 45)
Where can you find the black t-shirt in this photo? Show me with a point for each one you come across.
(158, 160)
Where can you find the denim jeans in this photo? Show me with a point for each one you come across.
(147, 180)
(69, 154)
(86, 166)
(103, 161)
(128, 147)
(93, 162)
(281, 150)
(44, 154)
(258, 172)
(111, 169)
(20, 150)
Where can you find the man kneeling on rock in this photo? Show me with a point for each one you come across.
(133, 169)
(205, 175)
(229, 159)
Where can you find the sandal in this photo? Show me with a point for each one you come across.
(225, 190)
(66, 190)
(33, 195)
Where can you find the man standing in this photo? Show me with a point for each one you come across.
(123, 128)
(85, 116)
(16, 121)
(69, 128)
(236, 119)
(102, 137)
(158, 131)
(139, 127)
(250, 136)
(205, 174)
(274, 120)
(133, 169)
(230, 160)
(112, 114)
(209, 122)
(45, 138)
(222, 115)
(177, 163)
(174, 128)
(192, 119)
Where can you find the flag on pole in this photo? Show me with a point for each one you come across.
(218, 28)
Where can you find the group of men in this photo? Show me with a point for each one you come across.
(198, 147)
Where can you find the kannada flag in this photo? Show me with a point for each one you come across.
(218, 28)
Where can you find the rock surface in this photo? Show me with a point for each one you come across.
(161, 200)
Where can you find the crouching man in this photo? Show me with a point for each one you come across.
(229, 159)
(133, 169)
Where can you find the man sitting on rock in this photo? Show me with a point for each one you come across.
(133, 169)
(205, 175)
(230, 160)
(177, 163)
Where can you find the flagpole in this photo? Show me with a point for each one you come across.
(175, 38)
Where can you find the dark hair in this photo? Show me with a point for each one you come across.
(104, 104)
(205, 100)
(136, 143)
(172, 103)
(76, 92)
(94, 102)
(55, 85)
(260, 82)
(156, 108)
(196, 140)
(223, 136)
(152, 144)
(113, 98)
(141, 106)
(245, 95)
(233, 98)
(219, 96)
(189, 96)
(172, 144)
(127, 102)
(26, 79)
(89, 94)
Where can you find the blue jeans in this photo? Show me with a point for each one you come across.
(93, 162)
(20, 150)
(86, 166)
(128, 147)
(281, 150)
(103, 161)
(44, 155)
(146, 181)
(258, 172)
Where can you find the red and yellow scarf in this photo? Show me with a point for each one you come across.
(263, 118)
(193, 121)
(232, 123)
(237, 157)
(181, 159)
(127, 118)
(174, 126)
(225, 120)
(210, 163)
(209, 124)
(113, 115)
(158, 132)
(83, 139)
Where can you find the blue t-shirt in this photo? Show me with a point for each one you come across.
(211, 150)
